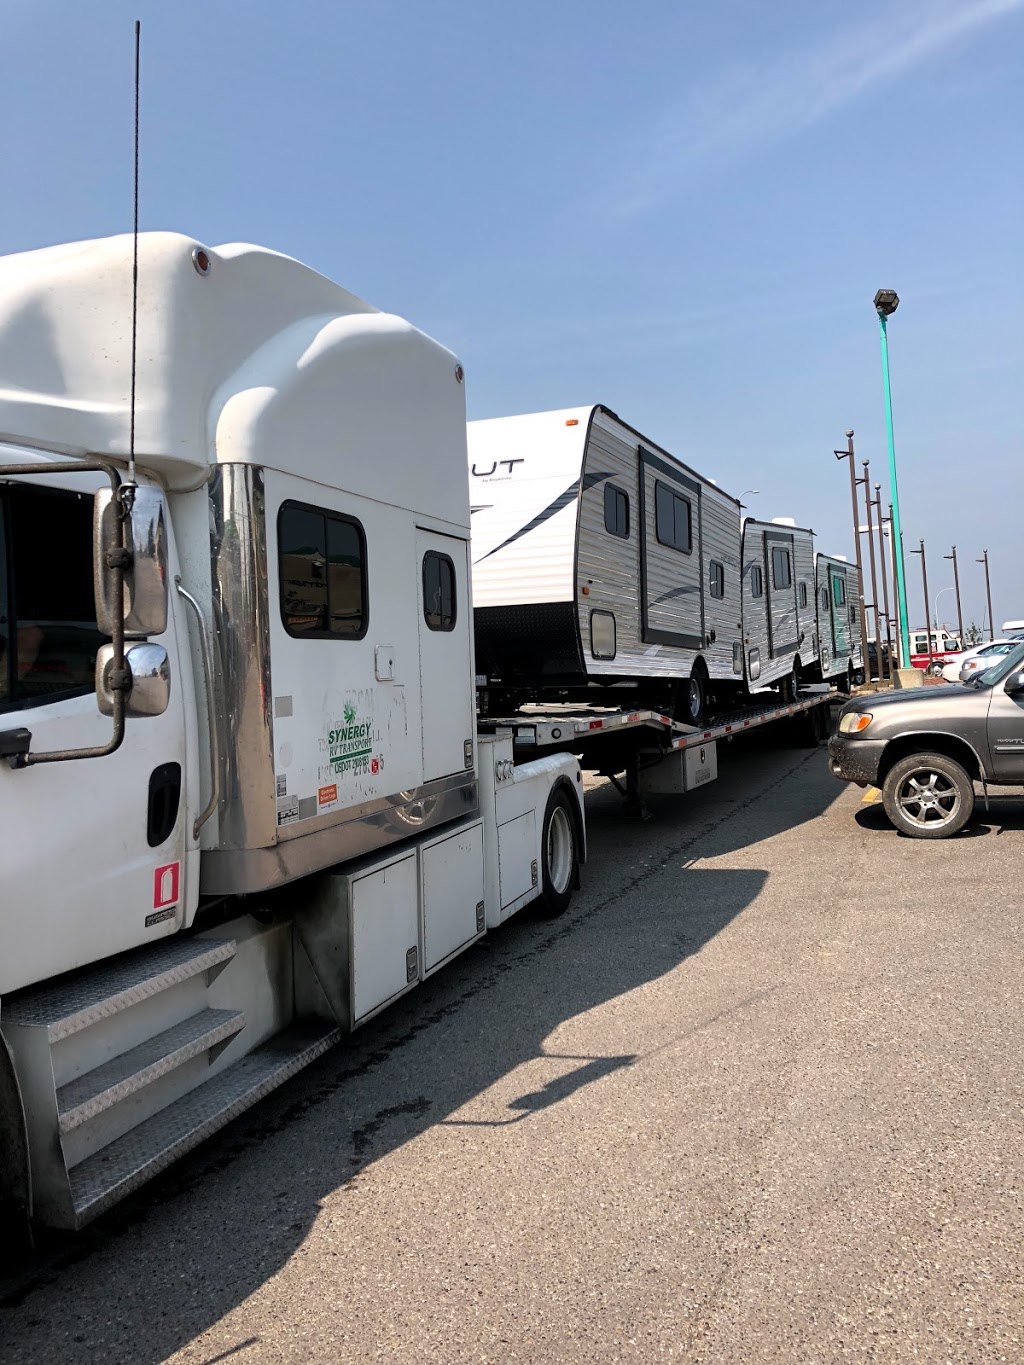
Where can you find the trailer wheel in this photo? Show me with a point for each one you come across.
(788, 688)
(559, 856)
(928, 796)
(695, 696)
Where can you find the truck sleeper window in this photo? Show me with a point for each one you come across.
(438, 591)
(322, 563)
(48, 633)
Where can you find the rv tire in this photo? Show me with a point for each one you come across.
(788, 687)
(694, 698)
(560, 857)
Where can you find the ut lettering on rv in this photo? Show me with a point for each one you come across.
(505, 464)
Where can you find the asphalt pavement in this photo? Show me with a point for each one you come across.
(756, 1097)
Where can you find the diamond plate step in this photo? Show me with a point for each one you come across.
(89, 1095)
(76, 1002)
(103, 1179)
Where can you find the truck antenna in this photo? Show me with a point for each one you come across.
(135, 264)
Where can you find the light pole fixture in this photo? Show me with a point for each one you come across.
(886, 303)
(988, 595)
(754, 491)
(937, 596)
(847, 454)
(956, 585)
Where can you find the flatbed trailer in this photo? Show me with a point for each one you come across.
(645, 752)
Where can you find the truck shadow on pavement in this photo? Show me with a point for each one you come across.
(467, 1049)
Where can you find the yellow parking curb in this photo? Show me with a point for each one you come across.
(872, 794)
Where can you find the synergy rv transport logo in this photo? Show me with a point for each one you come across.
(350, 746)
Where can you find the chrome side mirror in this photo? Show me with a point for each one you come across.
(150, 670)
(145, 580)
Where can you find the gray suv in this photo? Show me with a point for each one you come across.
(925, 748)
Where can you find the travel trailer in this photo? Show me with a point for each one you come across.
(840, 648)
(601, 563)
(780, 632)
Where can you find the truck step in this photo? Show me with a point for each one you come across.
(106, 1085)
(77, 1002)
(106, 1177)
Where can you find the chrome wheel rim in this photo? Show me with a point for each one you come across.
(694, 699)
(928, 799)
(559, 850)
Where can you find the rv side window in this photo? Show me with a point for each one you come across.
(839, 592)
(853, 616)
(48, 633)
(756, 581)
(716, 579)
(824, 599)
(782, 572)
(616, 511)
(672, 519)
(803, 594)
(438, 591)
(322, 563)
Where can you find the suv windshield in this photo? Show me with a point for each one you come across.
(1002, 669)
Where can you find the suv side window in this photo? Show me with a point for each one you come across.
(48, 631)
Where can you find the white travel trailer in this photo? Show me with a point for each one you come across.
(780, 638)
(840, 648)
(601, 562)
(268, 693)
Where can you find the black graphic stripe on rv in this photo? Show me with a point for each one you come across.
(675, 592)
(563, 500)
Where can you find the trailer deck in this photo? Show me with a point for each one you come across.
(574, 727)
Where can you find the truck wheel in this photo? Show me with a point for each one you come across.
(559, 856)
(928, 796)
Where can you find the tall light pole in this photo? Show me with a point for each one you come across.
(885, 582)
(866, 481)
(927, 607)
(988, 594)
(847, 454)
(886, 303)
(956, 585)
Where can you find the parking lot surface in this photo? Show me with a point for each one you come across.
(756, 1097)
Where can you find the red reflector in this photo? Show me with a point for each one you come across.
(596, 724)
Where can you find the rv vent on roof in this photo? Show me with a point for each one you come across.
(842, 557)
(783, 521)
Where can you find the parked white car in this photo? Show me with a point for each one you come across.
(976, 660)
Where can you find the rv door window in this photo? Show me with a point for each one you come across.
(839, 592)
(438, 591)
(782, 570)
(616, 511)
(48, 632)
(322, 563)
(756, 581)
(716, 579)
(672, 519)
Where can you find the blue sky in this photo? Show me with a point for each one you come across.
(679, 209)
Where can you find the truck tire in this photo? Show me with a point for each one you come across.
(788, 688)
(928, 796)
(559, 856)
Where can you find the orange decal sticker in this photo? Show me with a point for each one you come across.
(327, 794)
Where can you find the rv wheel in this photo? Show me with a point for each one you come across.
(788, 688)
(559, 855)
(695, 697)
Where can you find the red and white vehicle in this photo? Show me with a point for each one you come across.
(944, 649)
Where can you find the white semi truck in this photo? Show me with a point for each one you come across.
(243, 660)
(246, 800)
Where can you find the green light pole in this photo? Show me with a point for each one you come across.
(886, 303)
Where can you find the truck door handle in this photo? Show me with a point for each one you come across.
(206, 651)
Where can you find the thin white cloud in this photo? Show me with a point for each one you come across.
(755, 103)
